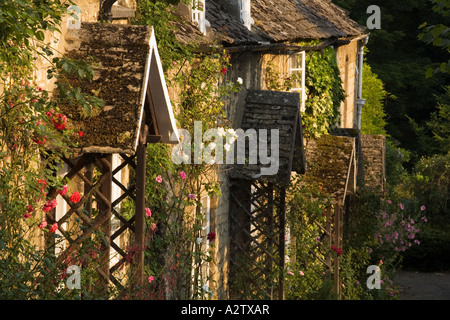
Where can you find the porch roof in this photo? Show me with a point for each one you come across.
(129, 78)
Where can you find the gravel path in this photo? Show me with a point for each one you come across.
(423, 286)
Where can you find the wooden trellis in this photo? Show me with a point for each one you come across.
(97, 197)
(257, 224)
(137, 110)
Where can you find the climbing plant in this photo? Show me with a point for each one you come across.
(323, 89)
(177, 255)
(30, 126)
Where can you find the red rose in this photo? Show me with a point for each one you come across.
(211, 236)
(49, 205)
(75, 197)
(81, 134)
(62, 191)
(53, 228)
(59, 121)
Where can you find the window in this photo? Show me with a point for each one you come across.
(245, 14)
(198, 14)
(297, 74)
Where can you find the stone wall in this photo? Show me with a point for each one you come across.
(374, 154)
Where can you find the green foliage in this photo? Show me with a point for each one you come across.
(373, 116)
(30, 126)
(324, 91)
(305, 274)
(439, 123)
(438, 35)
(176, 255)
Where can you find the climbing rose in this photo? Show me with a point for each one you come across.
(62, 191)
(26, 215)
(159, 179)
(80, 133)
(301, 273)
(39, 141)
(49, 205)
(192, 196)
(53, 228)
(224, 70)
(29, 208)
(75, 197)
(43, 184)
(153, 227)
(211, 236)
(59, 121)
(42, 225)
(422, 208)
(183, 175)
(401, 206)
(148, 212)
(150, 279)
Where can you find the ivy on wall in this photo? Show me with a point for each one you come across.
(323, 89)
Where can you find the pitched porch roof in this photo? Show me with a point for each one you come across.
(129, 78)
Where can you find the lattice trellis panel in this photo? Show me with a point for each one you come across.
(95, 210)
(257, 225)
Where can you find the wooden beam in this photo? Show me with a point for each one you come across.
(139, 226)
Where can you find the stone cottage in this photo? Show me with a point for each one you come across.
(258, 35)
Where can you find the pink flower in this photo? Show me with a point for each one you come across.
(50, 205)
(342, 285)
(301, 273)
(153, 227)
(402, 207)
(183, 175)
(192, 196)
(53, 228)
(62, 191)
(389, 201)
(26, 215)
(291, 273)
(159, 179)
(75, 197)
(150, 279)
(148, 212)
(422, 208)
(42, 225)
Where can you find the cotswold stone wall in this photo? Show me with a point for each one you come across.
(374, 154)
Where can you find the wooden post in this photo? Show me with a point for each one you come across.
(282, 219)
(139, 224)
(105, 212)
(337, 242)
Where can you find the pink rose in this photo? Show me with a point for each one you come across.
(183, 175)
(148, 212)
(159, 179)
(42, 225)
(192, 196)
